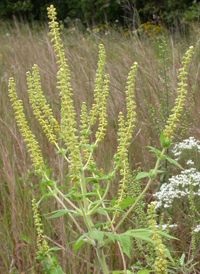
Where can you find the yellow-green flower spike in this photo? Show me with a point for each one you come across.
(41, 100)
(126, 128)
(160, 264)
(125, 132)
(122, 153)
(68, 122)
(29, 137)
(174, 118)
(126, 179)
(41, 108)
(41, 242)
(122, 135)
(131, 106)
(99, 81)
(103, 111)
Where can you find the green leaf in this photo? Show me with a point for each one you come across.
(172, 161)
(142, 234)
(125, 243)
(191, 267)
(105, 177)
(142, 175)
(86, 132)
(91, 179)
(93, 204)
(48, 172)
(110, 209)
(83, 239)
(127, 202)
(43, 188)
(111, 236)
(160, 171)
(98, 225)
(101, 211)
(76, 214)
(154, 150)
(182, 259)
(162, 138)
(57, 270)
(94, 146)
(171, 271)
(123, 239)
(167, 235)
(145, 271)
(169, 256)
(77, 245)
(53, 249)
(165, 141)
(97, 235)
(62, 151)
(114, 200)
(58, 213)
(70, 194)
(76, 196)
(90, 194)
(94, 170)
(88, 147)
(50, 183)
(63, 187)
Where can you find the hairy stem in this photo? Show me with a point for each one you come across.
(102, 260)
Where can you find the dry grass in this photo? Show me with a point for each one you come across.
(20, 48)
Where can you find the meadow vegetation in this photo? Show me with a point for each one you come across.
(159, 58)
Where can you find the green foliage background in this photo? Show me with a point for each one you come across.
(98, 12)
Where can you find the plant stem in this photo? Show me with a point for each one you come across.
(101, 199)
(86, 219)
(102, 260)
(119, 245)
(84, 210)
(144, 190)
(67, 200)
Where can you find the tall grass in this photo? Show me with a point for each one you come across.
(20, 47)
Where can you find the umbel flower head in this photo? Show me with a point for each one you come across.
(174, 118)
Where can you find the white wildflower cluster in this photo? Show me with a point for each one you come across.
(197, 229)
(165, 226)
(186, 144)
(190, 162)
(179, 186)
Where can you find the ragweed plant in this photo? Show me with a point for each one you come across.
(50, 264)
(160, 264)
(86, 194)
